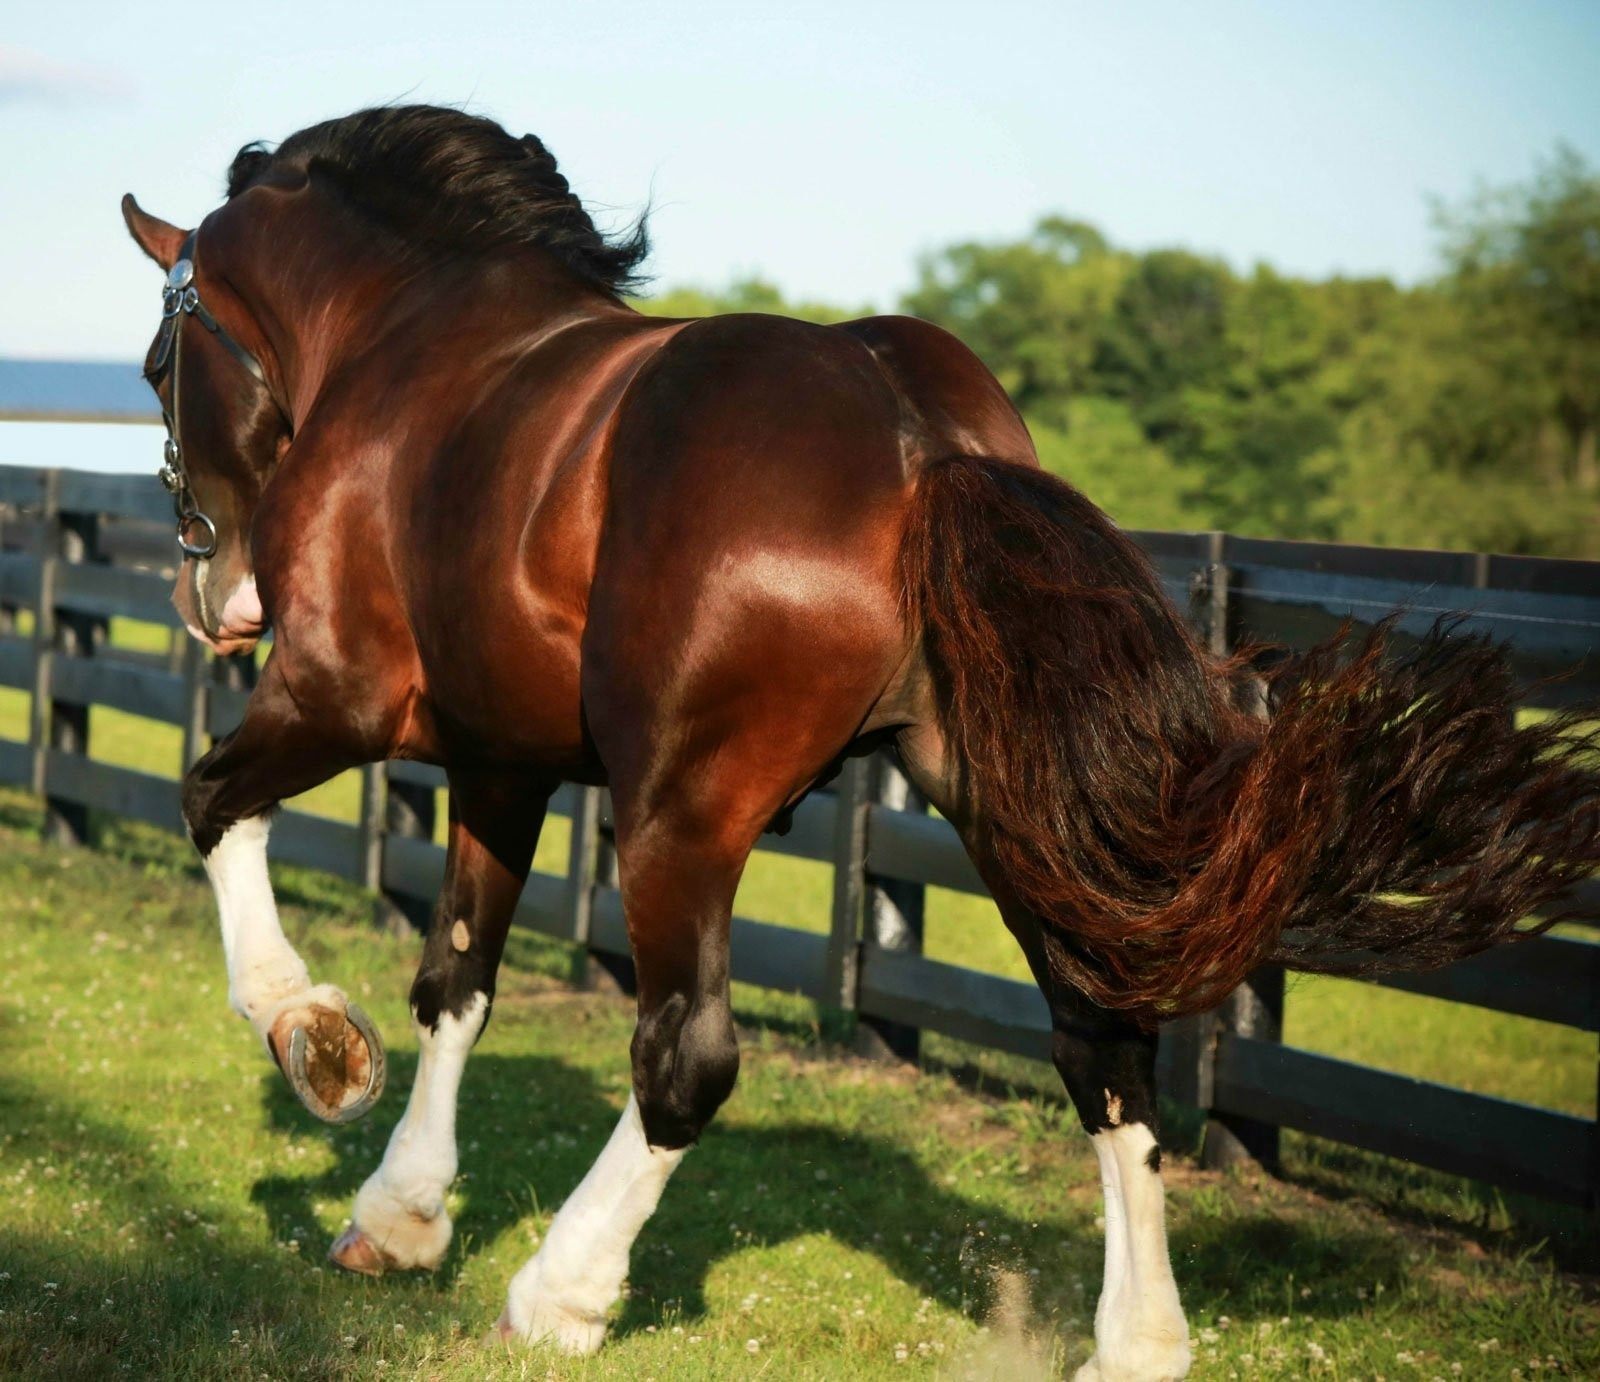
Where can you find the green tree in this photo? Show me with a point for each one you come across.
(1165, 339)
(1525, 261)
(1463, 412)
(1034, 311)
(1102, 450)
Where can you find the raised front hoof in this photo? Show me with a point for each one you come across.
(333, 1060)
(572, 1332)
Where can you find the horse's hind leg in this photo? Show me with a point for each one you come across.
(1108, 1067)
(679, 867)
(399, 1219)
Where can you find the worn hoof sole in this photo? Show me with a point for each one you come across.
(334, 1062)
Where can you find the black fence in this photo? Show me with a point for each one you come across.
(78, 549)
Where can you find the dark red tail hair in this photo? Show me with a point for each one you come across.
(1389, 814)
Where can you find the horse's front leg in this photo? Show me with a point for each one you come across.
(326, 1047)
(399, 1219)
(678, 883)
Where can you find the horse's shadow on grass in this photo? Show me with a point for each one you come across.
(538, 1123)
(530, 1127)
(160, 1298)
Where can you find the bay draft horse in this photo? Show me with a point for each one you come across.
(498, 520)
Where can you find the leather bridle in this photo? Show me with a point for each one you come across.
(180, 299)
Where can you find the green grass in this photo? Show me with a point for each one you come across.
(107, 1103)
(168, 1204)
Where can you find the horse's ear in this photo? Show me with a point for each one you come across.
(153, 235)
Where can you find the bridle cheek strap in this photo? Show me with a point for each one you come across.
(180, 299)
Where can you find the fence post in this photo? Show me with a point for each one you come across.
(44, 633)
(237, 672)
(8, 610)
(1254, 1009)
(73, 542)
(197, 700)
(583, 863)
(1186, 1065)
(841, 978)
(591, 865)
(1216, 588)
(1187, 1061)
(411, 810)
(892, 915)
(374, 776)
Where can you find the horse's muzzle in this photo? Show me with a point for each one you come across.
(236, 628)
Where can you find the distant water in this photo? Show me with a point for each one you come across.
(126, 448)
(42, 388)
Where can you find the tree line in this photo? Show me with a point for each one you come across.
(1462, 411)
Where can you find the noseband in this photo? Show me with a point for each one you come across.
(180, 299)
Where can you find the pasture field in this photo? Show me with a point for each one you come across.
(168, 1204)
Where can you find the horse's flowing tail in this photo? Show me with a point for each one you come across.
(1387, 814)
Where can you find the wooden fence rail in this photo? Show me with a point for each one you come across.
(78, 549)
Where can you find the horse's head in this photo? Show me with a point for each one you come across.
(225, 431)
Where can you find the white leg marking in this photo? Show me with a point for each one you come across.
(1113, 1285)
(265, 976)
(564, 1291)
(1139, 1330)
(401, 1208)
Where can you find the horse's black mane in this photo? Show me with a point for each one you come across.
(453, 180)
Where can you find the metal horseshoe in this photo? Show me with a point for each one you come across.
(377, 1071)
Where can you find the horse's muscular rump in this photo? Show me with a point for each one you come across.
(950, 404)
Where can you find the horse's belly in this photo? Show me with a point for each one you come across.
(512, 699)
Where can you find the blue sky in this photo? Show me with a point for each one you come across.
(822, 145)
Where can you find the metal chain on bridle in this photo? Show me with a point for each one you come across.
(180, 299)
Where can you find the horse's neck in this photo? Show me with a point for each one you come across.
(343, 299)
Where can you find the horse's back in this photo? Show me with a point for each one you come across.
(748, 426)
(752, 407)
